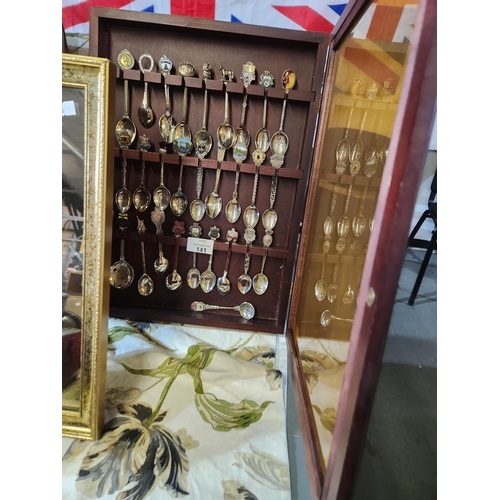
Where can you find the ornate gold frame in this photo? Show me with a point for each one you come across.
(97, 77)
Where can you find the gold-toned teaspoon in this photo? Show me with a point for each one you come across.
(125, 130)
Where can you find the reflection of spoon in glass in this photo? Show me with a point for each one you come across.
(125, 130)
(327, 317)
(331, 293)
(225, 138)
(208, 277)
(320, 289)
(145, 284)
(142, 197)
(202, 145)
(246, 310)
(343, 150)
(166, 122)
(223, 284)
(121, 272)
(145, 113)
(174, 279)
(194, 275)
(371, 163)
(182, 145)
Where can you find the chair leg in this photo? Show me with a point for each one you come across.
(423, 267)
(417, 227)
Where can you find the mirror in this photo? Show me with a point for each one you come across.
(87, 94)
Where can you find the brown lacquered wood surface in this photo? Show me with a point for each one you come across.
(229, 45)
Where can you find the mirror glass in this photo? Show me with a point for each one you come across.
(368, 76)
(73, 177)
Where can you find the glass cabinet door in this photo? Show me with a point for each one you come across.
(364, 90)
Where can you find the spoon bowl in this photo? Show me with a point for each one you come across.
(125, 132)
(161, 264)
(244, 283)
(145, 285)
(123, 199)
(121, 274)
(260, 283)
(173, 281)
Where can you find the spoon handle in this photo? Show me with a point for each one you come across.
(236, 181)
(199, 179)
(181, 168)
(264, 112)
(246, 263)
(205, 108)
(228, 258)
(145, 95)
(220, 157)
(255, 184)
(167, 100)
(244, 108)
(184, 104)
(226, 105)
(125, 97)
(143, 251)
(124, 172)
(264, 261)
(201, 306)
(274, 188)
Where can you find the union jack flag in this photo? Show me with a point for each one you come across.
(308, 15)
(385, 20)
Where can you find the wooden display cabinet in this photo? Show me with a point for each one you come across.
(331, 100)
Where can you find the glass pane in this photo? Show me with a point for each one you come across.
(73, 173)
(369, 72)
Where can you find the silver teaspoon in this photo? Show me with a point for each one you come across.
(208, 278)
(202, 145)
(145, 113)
(225, 138)
(174, 279)
(246, 310)
(145, 284)
(223, 283)
(166, 123)
(194, 276)
(142, 197)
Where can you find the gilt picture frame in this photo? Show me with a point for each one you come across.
(88, 85)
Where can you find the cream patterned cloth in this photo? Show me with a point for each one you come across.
(190, 412)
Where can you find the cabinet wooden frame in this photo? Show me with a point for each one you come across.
(96, 78)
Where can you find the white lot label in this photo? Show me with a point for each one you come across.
(200, 245)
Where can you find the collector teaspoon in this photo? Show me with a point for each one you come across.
(125, 130)
(246, 310)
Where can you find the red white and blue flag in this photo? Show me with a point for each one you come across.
(307, 15)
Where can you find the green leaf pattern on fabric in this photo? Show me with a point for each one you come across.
(327, 417)
(264, 468)
(224, 416)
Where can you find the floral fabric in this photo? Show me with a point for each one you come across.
(190, 412)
